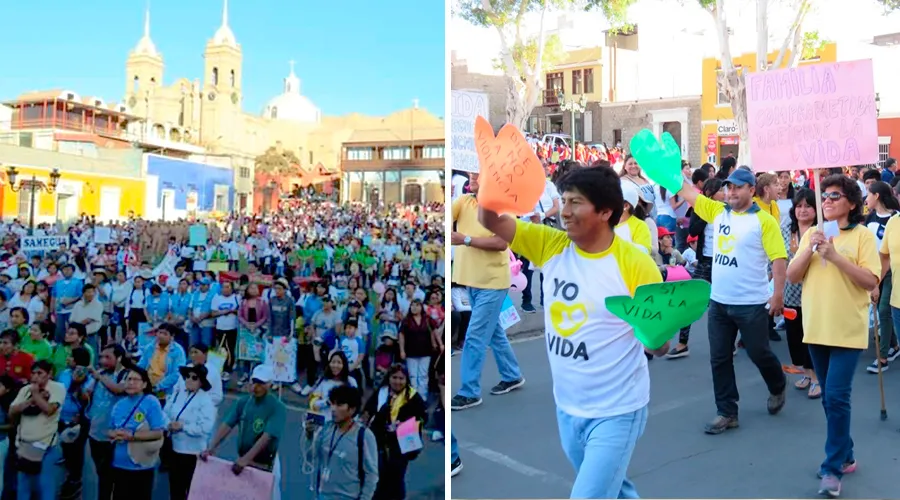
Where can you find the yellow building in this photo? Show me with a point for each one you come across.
(719, 137)
(106, 187)
(576, 76)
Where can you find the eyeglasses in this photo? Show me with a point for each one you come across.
(833, 196)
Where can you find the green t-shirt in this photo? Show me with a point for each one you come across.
(60, 356)
(40, 349)
(320, 256)
(255, 417)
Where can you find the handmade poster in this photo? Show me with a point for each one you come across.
(465, 107)
(509, 316)
(408, 436)
(511, 178)
(213, 480)
(657, 311)
(281, 355)
(660, 160)
(250, 347)
(217, 267)
(813, 116)
(677, 273)
(102, 235)
(197, 235)
(146, 335)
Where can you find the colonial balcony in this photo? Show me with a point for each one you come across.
(551, 98)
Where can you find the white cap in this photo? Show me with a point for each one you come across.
(630, 193)
(263, 373)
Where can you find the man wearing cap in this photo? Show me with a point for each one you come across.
(260, 417)
(66, 292)
(746, 240)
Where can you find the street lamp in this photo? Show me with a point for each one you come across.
(877, 104)
(33, 185)
(573, 106)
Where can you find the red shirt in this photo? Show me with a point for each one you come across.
(17, 366)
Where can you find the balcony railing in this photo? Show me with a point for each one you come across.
(550, 97)
(381, 164)
(74, 126)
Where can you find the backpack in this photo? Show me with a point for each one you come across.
(360, 444)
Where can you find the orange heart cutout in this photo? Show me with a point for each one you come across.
(511, 179)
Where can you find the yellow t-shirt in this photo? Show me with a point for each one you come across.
(836, 311)
(472, 266)
(635, 231)
(890, 245)
(41, 427)
(598, 365)
(770, 208)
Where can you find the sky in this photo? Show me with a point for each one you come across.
(360, 56)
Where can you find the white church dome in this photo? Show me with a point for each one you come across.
(291, 105)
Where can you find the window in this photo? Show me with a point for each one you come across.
(433, 152)
(232, 78)
(589, 81)
(359, 154)
(215, 76)
(26, 139)
(555, 82)
(245, 173)
(221, 206)
(310, 157)
(395, 153)
(577, 87)
(274, 113)
(24, 206)
(884, 152)
(135, 84)
(617, 136)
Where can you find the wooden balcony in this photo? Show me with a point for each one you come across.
(376, 165)
(550, 97)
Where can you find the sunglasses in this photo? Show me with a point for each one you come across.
(833, 196)
(193, 377)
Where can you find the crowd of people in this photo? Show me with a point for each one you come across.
(127, 338)
(753, 235)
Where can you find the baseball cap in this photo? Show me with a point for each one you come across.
(630, 193)
(741, 177)
(262, 373)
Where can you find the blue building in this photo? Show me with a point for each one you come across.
(177, 188)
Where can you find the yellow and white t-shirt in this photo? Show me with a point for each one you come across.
(890, 245)
(635, 231)
(840, 309)
(472, 266)
(598, 366)
(744, 244)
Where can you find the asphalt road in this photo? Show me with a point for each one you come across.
(510, 444)
(424, 479)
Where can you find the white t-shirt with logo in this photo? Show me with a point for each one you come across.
(223, 303)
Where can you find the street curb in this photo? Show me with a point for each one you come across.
(525, 334)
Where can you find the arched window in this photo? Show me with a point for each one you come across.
(232, 78)
(274, 112)
(152, 82)
(135, 84)
(215, 76)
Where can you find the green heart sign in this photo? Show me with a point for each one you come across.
(657, 311)
(660, 162)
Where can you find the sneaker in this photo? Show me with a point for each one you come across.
(244, 379)
(456, 467)
(437, 436)
(306, 390)
(830, 487)
(507, 387)
(296, 387)
(780, 325)
(775, 403)
(454, 352)
(226, 377)
(847, 468)
(676, 353)
(873, 368)
(721, 424)
(463, 403)
(893, 353)
(528, 308)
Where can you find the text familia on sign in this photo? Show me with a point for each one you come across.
(42, 243)
(813, 116)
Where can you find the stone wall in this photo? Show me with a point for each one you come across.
(492, 85)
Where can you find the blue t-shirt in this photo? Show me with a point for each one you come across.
(157, 307)
(102, 401)
(130, 413)
(71, 407)
(70, 288)
(352, 347)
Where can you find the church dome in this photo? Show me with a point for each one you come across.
(290, 105)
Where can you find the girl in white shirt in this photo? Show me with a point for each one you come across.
(136, 305)
(224, 308)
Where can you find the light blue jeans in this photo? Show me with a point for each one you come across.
(484, 331)
(43, 486)
(454, 448)
(600, 449)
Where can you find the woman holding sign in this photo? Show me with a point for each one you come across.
(837, 272)
(600, 379)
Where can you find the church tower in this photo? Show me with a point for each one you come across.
(143, 73)
(221, 86)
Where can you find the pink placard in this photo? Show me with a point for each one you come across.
(812, 116)
(677, 273)
(213, 480)
(408, 427)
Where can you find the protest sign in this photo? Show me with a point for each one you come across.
(250, 347)
(512, 178)
(814, 116)
(659, 310)
(214, 480)
(42, 243)
(408, 436)
(508, 314)
(464, 108)
(102, 235)
(197, 235)
(660, 160)
(281, 355)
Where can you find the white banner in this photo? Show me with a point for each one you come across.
(42, 243)
(464, 108)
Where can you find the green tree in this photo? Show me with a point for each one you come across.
(521, 57)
